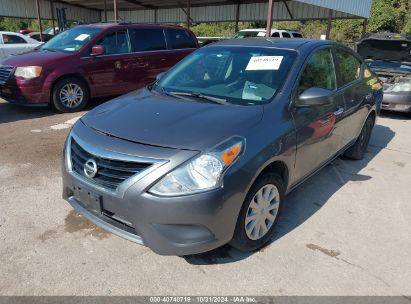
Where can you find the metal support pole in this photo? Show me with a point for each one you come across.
(269, 18)
(330, 24)
(155, 15)
(39, 20)
(52, 16)
(364, 28)
(115, 11)
(237, 17)
(188, 13)
(105, 10)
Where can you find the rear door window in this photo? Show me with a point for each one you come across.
(115, 43)
(12, 39)
(286, 35)
(181, 39)
(150, 39)
(349, 67)
(276, 35)
(319, 72)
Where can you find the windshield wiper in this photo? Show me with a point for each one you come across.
(200, 95)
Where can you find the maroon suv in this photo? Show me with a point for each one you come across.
(88, 61)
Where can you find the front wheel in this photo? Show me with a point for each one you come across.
(259, 213)
(70, 95)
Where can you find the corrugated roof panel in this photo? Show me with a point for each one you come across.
(248, 12)
(360, 8)
(202, 11)
(28, 9)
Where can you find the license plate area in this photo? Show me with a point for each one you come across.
(88, 199)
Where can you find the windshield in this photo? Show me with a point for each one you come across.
(385, 65)
(239, 75)
(71, 40)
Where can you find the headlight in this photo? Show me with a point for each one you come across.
(28, 72)
(203, 173)
(401, 87)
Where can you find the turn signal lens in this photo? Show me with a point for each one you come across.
(229, 156)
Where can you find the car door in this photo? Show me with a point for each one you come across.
(318, 137)
(356, 93)
(150, 55)
(112, 73)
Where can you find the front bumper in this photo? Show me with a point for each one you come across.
(168, 225)
(26, 92)
(398, 102)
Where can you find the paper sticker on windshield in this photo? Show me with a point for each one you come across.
(264, 63)
(82, 37)
(70, 49)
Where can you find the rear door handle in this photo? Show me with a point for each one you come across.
(339, 111)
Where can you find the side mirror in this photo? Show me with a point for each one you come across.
(98, 50)
(314, 97)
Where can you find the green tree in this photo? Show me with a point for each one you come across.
(389, 15)
(16, 24)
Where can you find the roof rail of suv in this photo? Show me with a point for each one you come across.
(134, 23)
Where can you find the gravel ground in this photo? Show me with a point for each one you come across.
(347, 231)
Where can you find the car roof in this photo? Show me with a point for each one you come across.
(10, 33)
(272, 30)
(253, 30)
(291, 44)
(121, 24)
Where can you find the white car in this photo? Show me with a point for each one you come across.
(15, 43)
(274, 33)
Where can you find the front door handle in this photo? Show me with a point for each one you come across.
(339, 111)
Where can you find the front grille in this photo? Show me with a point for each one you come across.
(5, 73)
(110, 173)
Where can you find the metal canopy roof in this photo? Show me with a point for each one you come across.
(155, 4)
(354, 8)
(175, 11)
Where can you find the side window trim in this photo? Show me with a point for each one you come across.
(170, 45)
(134, 45)
(87, 55)
(342, 86)
(297, 82)
(21, 39)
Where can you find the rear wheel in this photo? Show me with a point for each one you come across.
(259, 213)
(70, 95)
(357, 151)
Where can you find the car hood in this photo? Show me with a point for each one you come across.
(392, 49)
(150, 118)
(36, 58)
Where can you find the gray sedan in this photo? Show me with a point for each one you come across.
(206, 154)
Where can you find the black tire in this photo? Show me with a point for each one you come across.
(57, 101)
(357, 151)
(241, 240)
